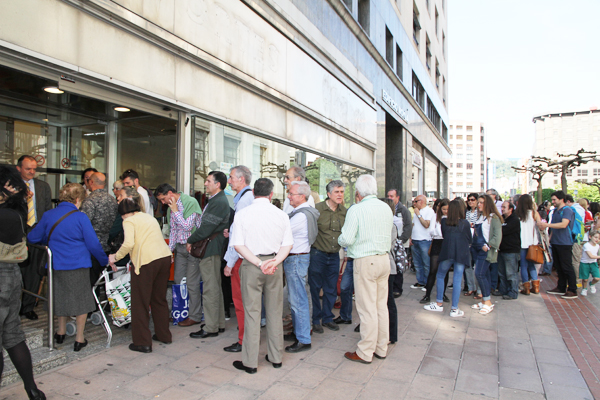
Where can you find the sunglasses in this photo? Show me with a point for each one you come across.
(472, 199)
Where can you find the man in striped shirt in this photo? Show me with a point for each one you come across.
(367, 235)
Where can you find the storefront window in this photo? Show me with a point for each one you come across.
(219, 148)
(431, 178)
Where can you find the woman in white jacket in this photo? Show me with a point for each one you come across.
(529, 236)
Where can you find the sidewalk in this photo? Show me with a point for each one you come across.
(516, 352)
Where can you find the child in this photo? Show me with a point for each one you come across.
(589, 263)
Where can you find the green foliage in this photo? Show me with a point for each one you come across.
(503, 168)
(589, 192)
(547, 192)
(320, 173)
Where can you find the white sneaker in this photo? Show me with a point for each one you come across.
(593, 288)
(424, 289)
(434, 307)
(455, 312)
(584, 292)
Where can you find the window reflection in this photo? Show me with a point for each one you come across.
(219, 148)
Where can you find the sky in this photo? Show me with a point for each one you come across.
(512, 60)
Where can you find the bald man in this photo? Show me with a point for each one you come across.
(101, 208)
(423, 223)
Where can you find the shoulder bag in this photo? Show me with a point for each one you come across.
(535, 252)
(39, 257)
(16, 253)
(199, 248)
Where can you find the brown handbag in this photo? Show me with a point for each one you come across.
(535, 252)
(199, 248)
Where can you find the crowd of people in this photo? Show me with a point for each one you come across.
(259, 256)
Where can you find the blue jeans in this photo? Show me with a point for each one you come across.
(421, 259)
(508, 265)
(346, 289)
(528, 271)
(482, 273)
(296, 269)
(457, 276)
(469, 273)
(494, 275)
(323, 273)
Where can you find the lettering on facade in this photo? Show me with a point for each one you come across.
(417, 160)
(394, 106)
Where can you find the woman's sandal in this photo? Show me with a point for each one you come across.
(469, 293)
(486, 309)
(478, 297)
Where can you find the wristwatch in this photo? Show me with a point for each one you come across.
(259, 264)
(419, 216)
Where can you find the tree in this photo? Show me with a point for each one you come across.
(537, 170)
(590, 189)
(568, 162)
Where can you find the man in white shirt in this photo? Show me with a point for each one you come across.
(423, 223)
(262, 236)
(294, 174)
(131, 178)
(303, 221)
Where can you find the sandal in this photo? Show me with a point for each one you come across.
(478, 297)
(469, 293)
(486, 309)
(477, 306)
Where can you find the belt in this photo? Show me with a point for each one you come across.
(297, 254)
(267, 255)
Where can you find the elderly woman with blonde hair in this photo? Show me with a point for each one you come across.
(70, 236)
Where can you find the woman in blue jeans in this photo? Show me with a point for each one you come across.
(529, 236)
(456, 231)
(486, 241)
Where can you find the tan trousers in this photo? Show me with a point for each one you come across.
(576, 258)
(254, 283)
(212, 294)
(371, 295)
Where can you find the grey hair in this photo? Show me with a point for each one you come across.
(493, 191)
(298, 173)
(118, 185)
(243, 171)
(366, 185)
(333, 184)
(303, 188)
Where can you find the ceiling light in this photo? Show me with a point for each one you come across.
(53, 90)
(121, 109)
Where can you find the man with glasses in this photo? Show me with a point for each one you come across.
(294, 174)
(85, 177)
(423, 222)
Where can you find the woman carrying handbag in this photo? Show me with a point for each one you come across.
(529, 239)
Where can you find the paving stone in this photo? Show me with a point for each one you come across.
(175, 393)
(518, 332)
(232, 392)
(333, 388)
(450, 336)
(430, 387)
(453, 325)
(283, 390)
(196, 387)
(557, 392)
(561, 375)
(459, 395)
(522, 359)
(416, 337)
(440, 367)
(404, 371)
(480, 347)
(514, 394)
(521, 378)
(307, 375)
(156, 382)
(326, 357)
(477, 383)
(546, 330)
(556, 357)
(383, 389)
(445, 350)
(355, 372)
(486, 335)
(194, 361)
(214, 375)
(514, 345)
(548, 342)
(479, 363)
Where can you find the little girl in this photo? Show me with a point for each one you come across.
(589, 263)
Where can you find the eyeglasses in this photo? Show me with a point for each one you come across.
(472, 199)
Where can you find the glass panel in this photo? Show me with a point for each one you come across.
(148, 145)
(219, 148)
(431, 178)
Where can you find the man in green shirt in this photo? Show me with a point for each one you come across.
(325, 257)
(367, 235)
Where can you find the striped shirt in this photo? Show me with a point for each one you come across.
(181, 228)
(367, 229)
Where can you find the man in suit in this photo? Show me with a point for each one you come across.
(38, 202)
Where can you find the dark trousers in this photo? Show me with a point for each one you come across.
(494, 276)
(323, 272)
(508, 267)
(31, 282)
(398, 282)
(392, 310)
(149, 290)
(431, 278)
(563, 262)
(226, 287)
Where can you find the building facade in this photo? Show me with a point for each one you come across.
(176, 89)
(468, 171)
(566, 133)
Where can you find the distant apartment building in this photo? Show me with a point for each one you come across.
(566, 133)
(467, 173)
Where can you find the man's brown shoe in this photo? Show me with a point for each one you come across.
(355, 357)
(556, 290)
(569, 295)
(188, 322)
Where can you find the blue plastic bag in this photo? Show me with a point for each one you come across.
(180, 307)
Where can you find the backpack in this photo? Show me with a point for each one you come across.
(577, 228)
(153, 201)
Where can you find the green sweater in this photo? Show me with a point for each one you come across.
(190, 206)
(215, 219)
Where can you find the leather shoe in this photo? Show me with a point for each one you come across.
(318, 328)
(31, 315)
(275, 365)
(221, 330)
(297, 347)
(397, 294)
(507, 297)
(156, 339)
(378, 356)
(234, 348)
(446, 299)
(35, 394)
(78, 346)
(356, 358)
(240, 365)
(332, 326)
(141, 349)
(545, 274)
(496, 293)
(59, 338)
(425, 300)
(188, 322)
(357, 329)
(339, 320)
(201, 334)
(289, 337)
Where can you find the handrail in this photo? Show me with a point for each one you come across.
(50, 298)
